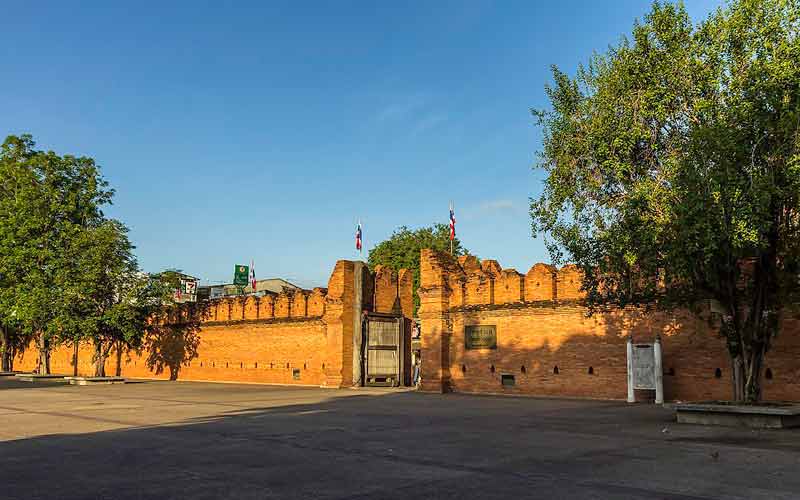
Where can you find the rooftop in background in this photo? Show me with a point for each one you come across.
(270, 285)
(275, 285)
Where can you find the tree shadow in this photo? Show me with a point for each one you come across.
(558, 350)
(9, 383)
(172, 339)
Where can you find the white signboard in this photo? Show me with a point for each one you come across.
(644, 369)
(189, 287)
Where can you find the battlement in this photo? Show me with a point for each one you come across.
(468, 281)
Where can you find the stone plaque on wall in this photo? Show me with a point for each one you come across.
(643, 367)
(480, 337)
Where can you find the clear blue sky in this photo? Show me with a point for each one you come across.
(239, 130)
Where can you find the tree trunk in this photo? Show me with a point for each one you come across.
(118, 371)
(5, 350)
(752, 386)
(737, 365)
(75, 347)
(43, 367)
(100, 356)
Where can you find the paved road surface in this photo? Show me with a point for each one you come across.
(202, 441)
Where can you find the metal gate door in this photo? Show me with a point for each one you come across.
(383, 354)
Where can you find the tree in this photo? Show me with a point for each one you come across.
(402, 250)
(46, 202)
(110, 301)
(673, 171)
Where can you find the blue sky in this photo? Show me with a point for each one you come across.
(264, 130)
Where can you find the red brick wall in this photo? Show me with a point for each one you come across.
(264, 351)
(551, 329)
(391, 286)
(262, 339)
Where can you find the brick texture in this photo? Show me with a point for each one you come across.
(553, 348)
(294, 337)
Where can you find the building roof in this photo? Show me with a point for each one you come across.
(273, 285)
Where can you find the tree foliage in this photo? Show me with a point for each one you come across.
(402, 250)
(672, 168)
(67, 272)
(112, 301)
(46, 201)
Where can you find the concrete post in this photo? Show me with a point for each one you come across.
(631, 397)
(659, 371)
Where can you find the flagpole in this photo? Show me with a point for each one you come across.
(451, 230)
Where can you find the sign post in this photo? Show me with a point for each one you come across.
(241, 276)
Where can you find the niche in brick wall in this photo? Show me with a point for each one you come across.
(555, 370)
(768, 374)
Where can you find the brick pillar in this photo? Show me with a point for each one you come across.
(340, 319)
(434, 294)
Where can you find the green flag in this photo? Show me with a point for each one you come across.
(241, 275)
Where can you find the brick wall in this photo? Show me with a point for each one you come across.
(294, 337)
(243, 351)
(548, 343)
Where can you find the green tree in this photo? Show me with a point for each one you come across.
(402, 250)
(46, 202)
(110, 301)
(673, 171)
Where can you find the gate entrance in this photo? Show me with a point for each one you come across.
(384, 357)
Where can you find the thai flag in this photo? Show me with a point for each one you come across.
(452, 223)
(358, 236)
(253, 276)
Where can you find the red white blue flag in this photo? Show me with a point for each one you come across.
(358, 236)
(452, 223)
(253, 276)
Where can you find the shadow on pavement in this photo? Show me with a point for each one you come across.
(347, 444)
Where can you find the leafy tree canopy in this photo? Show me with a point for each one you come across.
(67, 273)
(46, 202)
(402, 249)
(672, 168)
